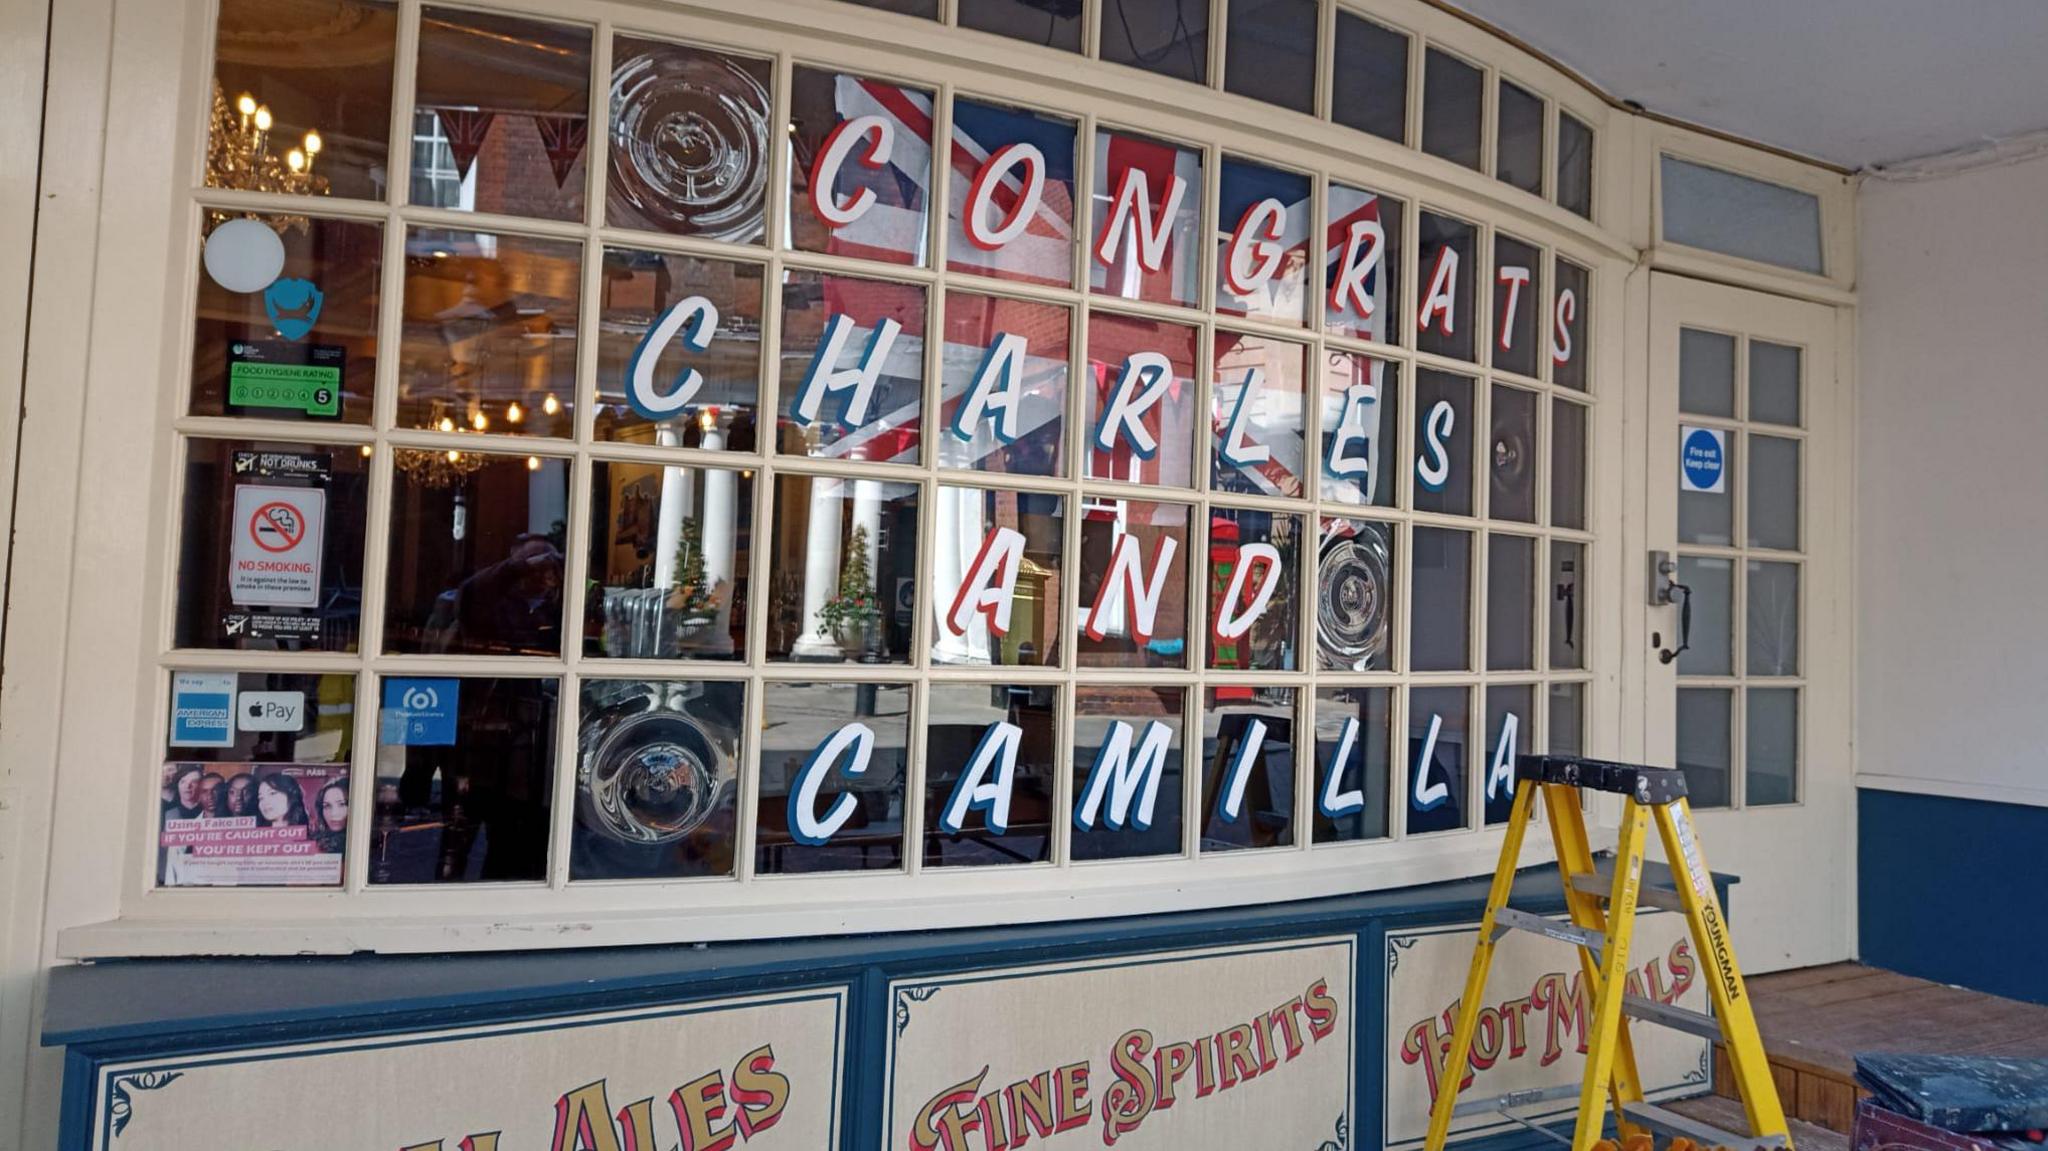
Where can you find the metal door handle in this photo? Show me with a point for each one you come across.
(1684, 623)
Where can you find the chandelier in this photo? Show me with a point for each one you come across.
(437, 468)
(239, 155)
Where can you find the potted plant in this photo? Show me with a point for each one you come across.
(853, 614)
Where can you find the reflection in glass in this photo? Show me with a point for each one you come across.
(1354, 726)
(1706, 373)
(287, 318)
(490, 333)
(465, 778)
(1003, 385)
(1704, 744)
(1127, 771)
(1050, 25)
(1256, 413)
(1170, 37)
(1709, 517)
(1574, 165)
(1248, 768)
(657, 779)
(999, 574)
(1568, 604)
(1518, 146)
(1254, 589)
(307, 112)
(1510, 734)
(1016, 234)
(476, 554)
(1773, 493)
(1513, 461)
(1439, 633)
(990, 754)
(1362, 265)
(1262, 232)
(1148, 217)
(689, 141)
(855, 188)
(1134, 584)
(655, 385)
(1771, 747)
(1567, 719)
(1567, 464)
(1510, 602)
(1444, 317)
(843, 575)
(1772, 593)
(832, 777)
(1141, 400)
(852, 368)
(1517, 294)
(1355, 595)
(670, 550)
(1361, 399)
(1712, 580)
(1438, 752)
(1774, 383)
(1369, 89)
(1453, 101)
(1269, 52)
(1569, 308)
(1443, 442)
(502, 115)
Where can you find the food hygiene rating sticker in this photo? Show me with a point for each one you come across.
(293, 377)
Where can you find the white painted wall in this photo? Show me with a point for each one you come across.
(1952, 460)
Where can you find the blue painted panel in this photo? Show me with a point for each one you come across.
(1954, 890)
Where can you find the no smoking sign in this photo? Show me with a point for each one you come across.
(276, 555)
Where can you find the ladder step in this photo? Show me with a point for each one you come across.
(1648, 785)
(1514, 1099)
(1667, 1122)
(1601, 883)
(1508, 918)
(1677, 1018)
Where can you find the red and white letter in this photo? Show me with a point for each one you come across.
(1233, 621)
(1134, 199)
(1514, 279)
(879, 135)
(1253, 253)
(1124, 584)
(990, 584)
(1364, 246)
(1442, 297)
(981, 196)
(1567, 310)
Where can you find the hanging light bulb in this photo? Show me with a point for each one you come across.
(533, 463)
(245, 104)
(367, 451)
(446, 424)
(454, 457)
(514, 413)
(296, 160)
(479, 421)
(263, 117)
(551, 405)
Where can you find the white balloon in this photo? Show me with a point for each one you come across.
(244, 255)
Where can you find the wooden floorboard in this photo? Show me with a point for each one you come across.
(1727, 1115)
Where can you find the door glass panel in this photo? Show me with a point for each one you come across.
(1513, 456)
(1567, 605)
(1510, 610)
(1706, 373)
(1442, 595)
(1704, 743)
(1773, 647)
(1567, 465)
(1708, 517)
(1567, 719)
(1773, 492)
(1774, 383)
(1771, 747)
(1712, 581)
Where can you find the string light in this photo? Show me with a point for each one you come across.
(551, 405)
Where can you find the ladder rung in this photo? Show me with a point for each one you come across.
(1667, 1122)
(1516, 1099)
(1601, 883)
(1507, 918)
(1677, 1018)
(1648, 785)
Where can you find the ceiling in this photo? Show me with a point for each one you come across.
(1859, 83)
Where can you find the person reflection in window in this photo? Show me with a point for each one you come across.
(512, 606)
(330, 816)
(487, 794)
(238, 798)
(279, 802)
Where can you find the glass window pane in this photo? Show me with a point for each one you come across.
(476, 553)
(1712, 650)
(1269, 52)
(1051, 25)
(1355, 588)
(1569, 309)
(925, 9)
(1513, 460)
(1354, 727)
(1737, 215)
(1361, 399)
(990, 753)
(1773, 493)
(1567, 719)
(1248, 768)
(1440, 587)
(657, 778)
(502, 115)
(670, 549)
(1141, 400)
(999, 572)
(1256, 416)
(1013, 218)
(1574, 165)
(1770, 761)
(1148, 220)
(843, 575)
(1706, 373)
(241, 584)
(832, 777)
(1443, 442)
(655, 385)
(1510, 734)
(1003, 385)
(318, 87)
(1453, 102)
(855, 188)
(1170, 37)
(1773, 625)
(1362, 265)
(1263, 226)
(1254, 589)
(1567, 464)
(287, 318)
(1774, 391)
(1517, 296)
(490, 333)
(1437, 758)
(1567, 605)
(1135, 562)
(255, 780)
(1369, 90)
(1127, 771)
(690, 138)
(852, 368)
(1518, 153)
(1510, 603)
(465, 779)
(1704, 744)
(1444, 319)
(1707, 517)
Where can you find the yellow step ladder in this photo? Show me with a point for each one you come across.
(1603, 919)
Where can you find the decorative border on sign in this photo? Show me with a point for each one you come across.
(1343, 1140)
(905, 996)
(121, 1108)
